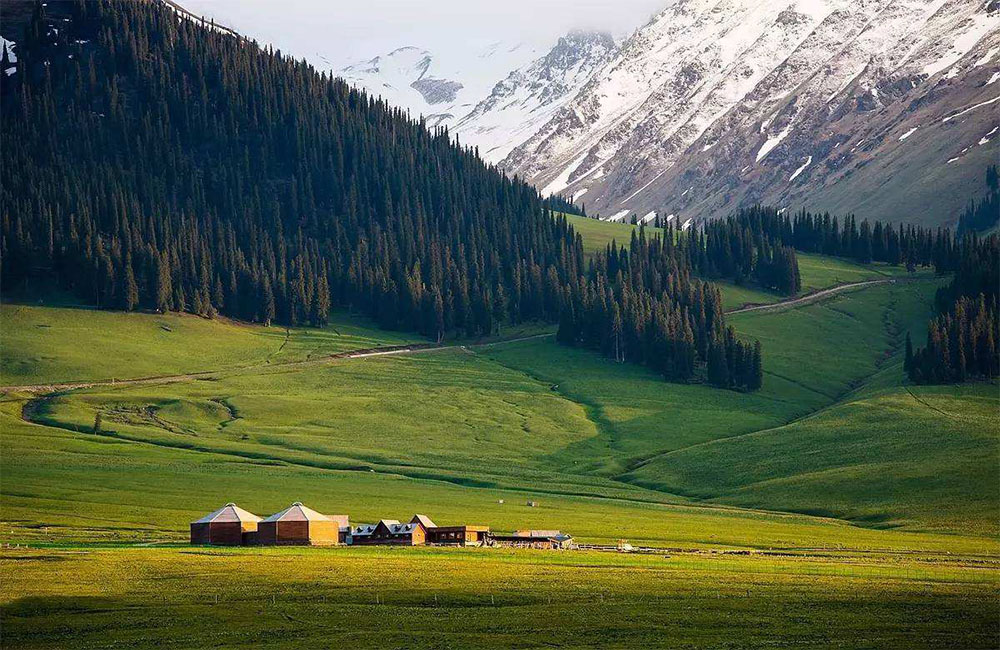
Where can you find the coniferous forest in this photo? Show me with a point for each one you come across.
(152, 162)
(962, 339)
(864, 242)
(643, 305)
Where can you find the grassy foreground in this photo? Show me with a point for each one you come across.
(435, 598)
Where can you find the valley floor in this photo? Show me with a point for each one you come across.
(863, 509)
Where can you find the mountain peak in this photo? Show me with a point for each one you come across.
(530, 95)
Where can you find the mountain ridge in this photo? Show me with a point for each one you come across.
(710, 87)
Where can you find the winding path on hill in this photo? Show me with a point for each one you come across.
(392, 350)
(816, 296)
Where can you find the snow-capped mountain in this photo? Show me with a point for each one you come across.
(883, 107)
(440, 89)
(523, 101)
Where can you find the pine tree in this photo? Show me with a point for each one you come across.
(757, 368)
(269, 305)
(321, 302)
(718, 369)
(131, 289)
(164, 285)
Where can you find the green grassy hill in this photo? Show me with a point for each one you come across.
(529, 416)
(882, 493)
(64, 344)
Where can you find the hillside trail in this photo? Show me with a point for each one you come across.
(816, 296)
(393, 350)
(382, 351)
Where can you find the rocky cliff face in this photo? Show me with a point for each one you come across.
(887, 108)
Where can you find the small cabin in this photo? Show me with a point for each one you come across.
(458, 535)
(451, 535)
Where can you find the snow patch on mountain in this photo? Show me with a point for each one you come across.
(772, 142)
(800, 169)
(970, 32)
(949, 118)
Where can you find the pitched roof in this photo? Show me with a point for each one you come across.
(343, 520)
(403, 528)
(424, 520)
(392, 525)
(297, 512)
(229, 513)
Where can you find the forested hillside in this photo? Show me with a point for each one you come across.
(156, 163)
(151, 162)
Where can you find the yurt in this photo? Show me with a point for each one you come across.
(227, 526)
(300, 525)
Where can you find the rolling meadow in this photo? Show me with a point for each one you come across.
(837, 506)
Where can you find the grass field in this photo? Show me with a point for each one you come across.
(432, 598)
(882, 495)
(598, 234)
(530, 417)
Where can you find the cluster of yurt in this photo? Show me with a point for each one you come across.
(295, 525)
(302, 526)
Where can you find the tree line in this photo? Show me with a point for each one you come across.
(962, 338)
(559, 203)
(865, 241)
(733, 249)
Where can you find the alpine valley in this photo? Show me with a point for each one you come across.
(520, 324)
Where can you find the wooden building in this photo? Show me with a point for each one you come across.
(458, 535)
(547, 539)
(230, 525)
(465, 535)
(389, 531)
(299, 525)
